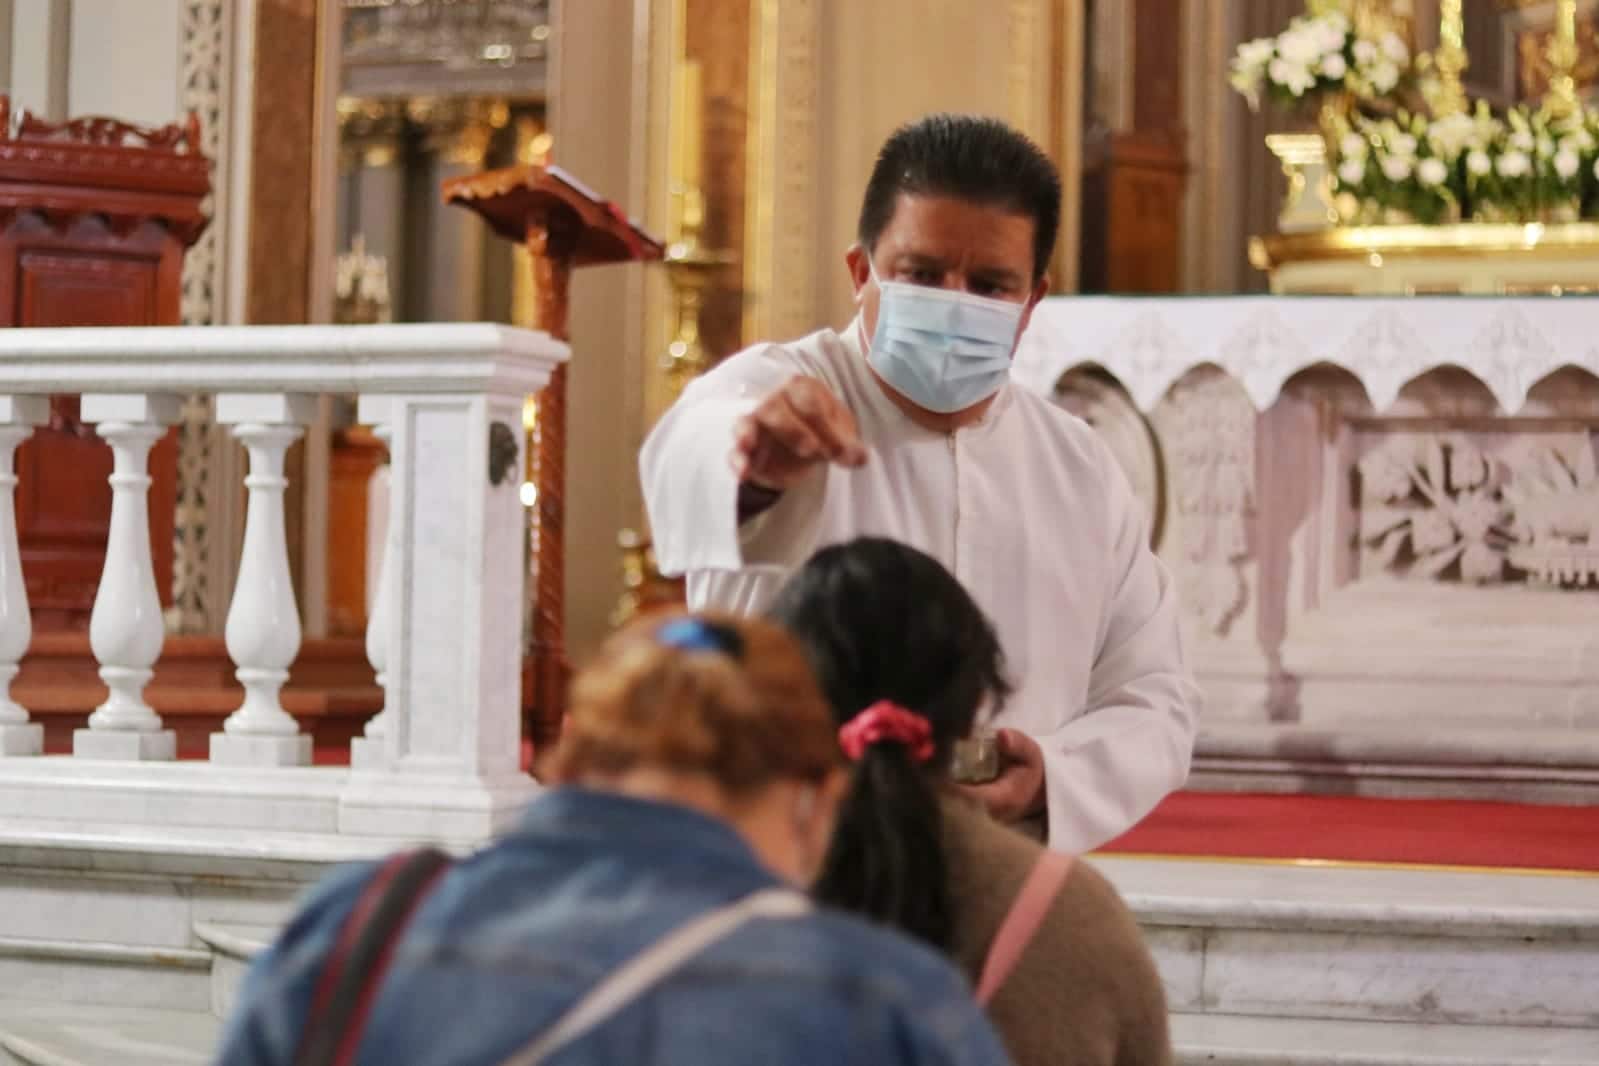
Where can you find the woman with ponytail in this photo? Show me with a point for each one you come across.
(909, 662)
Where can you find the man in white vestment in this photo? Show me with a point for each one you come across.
(905, 425)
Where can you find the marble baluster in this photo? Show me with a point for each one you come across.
(263, 628)
(453, 639)
(18, 735)
(374, 749)
(126, 629)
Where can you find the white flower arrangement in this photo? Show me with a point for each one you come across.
(1319, 54)
(1525, 167)
(1390, 165)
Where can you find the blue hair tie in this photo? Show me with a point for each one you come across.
(696, 634)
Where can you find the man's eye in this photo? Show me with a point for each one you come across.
(986, 288)
(924, 276)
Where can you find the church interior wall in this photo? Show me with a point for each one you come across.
(598, 58)
(950, 55)
(125, 60)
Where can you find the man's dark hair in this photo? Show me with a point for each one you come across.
(966, 157)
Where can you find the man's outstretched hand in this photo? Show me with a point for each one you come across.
(1018, 791)
(795, 428)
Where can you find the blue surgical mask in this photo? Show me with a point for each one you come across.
(941, 349)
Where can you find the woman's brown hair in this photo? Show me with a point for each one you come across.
(732, 699)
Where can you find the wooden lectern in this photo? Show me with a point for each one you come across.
(564, 225)
(95, 216)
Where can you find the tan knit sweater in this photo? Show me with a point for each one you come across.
(1085, 992)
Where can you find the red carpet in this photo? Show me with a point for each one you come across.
(1342, 829)
(1355, 829)
(339, 755)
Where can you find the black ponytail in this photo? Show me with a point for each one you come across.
(882, 621)
(886, 860)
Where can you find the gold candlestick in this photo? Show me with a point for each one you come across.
(1451, 60)
(689, 268)
(1561, 100)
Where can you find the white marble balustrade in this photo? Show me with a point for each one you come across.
(442, 758)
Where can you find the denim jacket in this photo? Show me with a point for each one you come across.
(512, 937)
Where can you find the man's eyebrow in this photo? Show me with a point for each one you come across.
(1000, 274)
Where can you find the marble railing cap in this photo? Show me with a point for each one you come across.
(476, 357)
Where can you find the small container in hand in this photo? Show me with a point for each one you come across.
(976, 759)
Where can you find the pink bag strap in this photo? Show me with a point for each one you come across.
(1021, 923)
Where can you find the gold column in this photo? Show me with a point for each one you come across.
(1561, 100)
(1451, 59)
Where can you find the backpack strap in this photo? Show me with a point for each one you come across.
(361, 955)
(639, 974)
(1021, 922)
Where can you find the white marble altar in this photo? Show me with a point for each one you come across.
(1383, 515)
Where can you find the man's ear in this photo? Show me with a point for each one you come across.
(860, 270)
(1040, 291)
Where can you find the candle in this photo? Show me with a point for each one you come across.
(693, 120)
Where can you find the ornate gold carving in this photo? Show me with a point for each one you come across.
(1555, 65)
(1562, 98)
(370, 131)
(459, 131)
(1450, 59)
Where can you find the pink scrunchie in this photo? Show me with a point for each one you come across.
(886, 722)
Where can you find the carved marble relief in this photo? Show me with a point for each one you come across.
(1193, 460)
(1098, 399)
(1207, 429)
(1482, 508)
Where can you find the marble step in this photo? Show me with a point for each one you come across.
(1233, 1040)
(113, 917)
(75, 1036)
(232, 947)
(1369, 944)
(95, 974)
(72, 1035)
